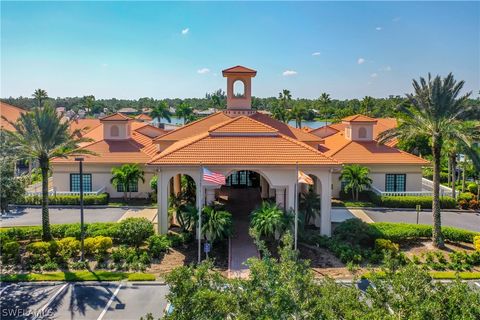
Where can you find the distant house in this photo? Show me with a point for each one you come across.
(128, 110)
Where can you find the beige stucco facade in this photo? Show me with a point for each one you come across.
(281, 181)
(413, 175)
(101, 175)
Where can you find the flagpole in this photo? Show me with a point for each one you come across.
(296, 206)
(200, 215)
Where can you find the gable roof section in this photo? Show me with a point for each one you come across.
(239, 69)
(115, 117)
(366, 152)
(194, 128)
(241, 140)
(84, 125)
(359, 118)
(10, 113)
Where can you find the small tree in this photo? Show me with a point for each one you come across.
(309, 205)
(216, 224)
(356, 179)
(161, 111)
(127, 175)
(12, 189)
(269, 220)
(185, 112)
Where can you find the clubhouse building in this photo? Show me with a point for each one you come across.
(258, 154)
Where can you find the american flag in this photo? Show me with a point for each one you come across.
(214, 177)
(304, 178)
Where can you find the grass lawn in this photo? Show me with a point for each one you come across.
(78, 276)
(443, 275)
(357, 204)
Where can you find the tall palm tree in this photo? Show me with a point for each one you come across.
(160, 111)
(367, 104)
(279, 112)
(216, 224)
(356, 179)
(285, 97)
(127, 175)
(42, 134)
(184, 111)
(434, 110)
(40, 95)
(298, 113)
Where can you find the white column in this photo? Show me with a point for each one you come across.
(162, 203)
(326, 218)
(200, 200)
(210, 195)
(280, 197)
(318, 190)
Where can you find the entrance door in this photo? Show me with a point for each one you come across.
(243, 179)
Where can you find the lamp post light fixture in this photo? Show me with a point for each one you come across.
(82, 227)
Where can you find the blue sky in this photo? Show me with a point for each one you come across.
(152, 49)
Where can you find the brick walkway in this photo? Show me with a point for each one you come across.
(241, 202)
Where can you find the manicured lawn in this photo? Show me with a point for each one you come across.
(356, 204)
(439, 275)
(78, 276)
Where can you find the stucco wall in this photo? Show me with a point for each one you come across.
(101, 175)
(377, 174)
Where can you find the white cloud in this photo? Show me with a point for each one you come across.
(387, 68)
(203, 71)
(316, 53)
(374, 75)
(288, 73)
(378, 28)
(361, 61)
(185, 31)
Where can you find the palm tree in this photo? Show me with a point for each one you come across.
(40, 95)
(160, 111)
(126, 176)
(42, 134)
(309, 205)
(367, 104)
(216, 224)
(184, 111)
(279, 113)
(297, 113)
(434, 110)
(356, 179)
(268, 220)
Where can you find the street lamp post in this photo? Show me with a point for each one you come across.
(82, 228)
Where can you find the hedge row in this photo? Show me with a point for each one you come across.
(398, 232)
(99, 199)
(411, 201)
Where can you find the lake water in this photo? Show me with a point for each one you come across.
(311, 124)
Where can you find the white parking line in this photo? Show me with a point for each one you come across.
(5, 288)
(55, 295)
(100, 317)
(477, 284)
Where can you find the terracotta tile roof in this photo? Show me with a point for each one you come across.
(241, 125)
(284, 128)
(359, 118)
(366, 152)
(239, 69)
(115, 117)
(245, 150)
(194, 128)
(11, 113)
(144, 117)
(85, 125)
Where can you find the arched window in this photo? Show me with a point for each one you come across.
(114, 131)
(362, 133)
(239, 89)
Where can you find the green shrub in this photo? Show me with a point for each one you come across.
(356, 232)
(68, 247)
(157, 245)
(79, 265)
(458, 235)
(97, 245)
(476, 242)
(100, 199)
(134, 231)
(472, 187)
(411, 201)
(179, 239)
(40, 247)
(50, 266)
(385, 244)
(10, 251)
(467, 196)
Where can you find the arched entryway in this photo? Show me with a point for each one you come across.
(182, 202)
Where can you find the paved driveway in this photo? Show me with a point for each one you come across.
(463, 220)
(89, 300)
(33, 216)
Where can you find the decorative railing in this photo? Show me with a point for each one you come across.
(53, 192)
(409, 193)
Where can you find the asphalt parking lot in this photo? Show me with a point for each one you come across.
(109, 300)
